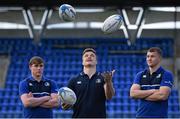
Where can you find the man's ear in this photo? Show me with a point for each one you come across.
(30, 67)
(96, 59)
(82, 61)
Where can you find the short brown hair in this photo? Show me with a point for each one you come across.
(36, 60)
(89, 50)
(155, 49)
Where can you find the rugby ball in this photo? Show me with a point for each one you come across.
(112, 23)
(67, 13)
(66, 95)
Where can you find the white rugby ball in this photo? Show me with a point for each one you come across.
(112, 23)
(67, 95)
(67, 13)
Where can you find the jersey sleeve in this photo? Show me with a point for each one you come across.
(137, 78)
(54, 88)
(23, 87)
(71, 83)
(167, 79)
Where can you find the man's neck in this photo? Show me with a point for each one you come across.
(90, 71)
(154, 69)
(37, 78)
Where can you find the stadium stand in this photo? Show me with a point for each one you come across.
(63, 60)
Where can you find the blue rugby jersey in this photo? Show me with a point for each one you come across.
(156, 109)
(43, 88)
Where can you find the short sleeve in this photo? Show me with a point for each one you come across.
(23, 87)
(54, 88)
(167, 79)
(137, 78)
(71, 83)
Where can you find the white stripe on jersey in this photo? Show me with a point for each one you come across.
(40, 93)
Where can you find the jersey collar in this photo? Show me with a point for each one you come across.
(157, 71)
(32, 78)
(82, 73)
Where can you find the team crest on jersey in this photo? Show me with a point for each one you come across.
(30, 84)
(158, 76)
(98, 80)
(144, 76)
(47, 84)
(79, 82)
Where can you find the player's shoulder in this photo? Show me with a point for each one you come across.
(142, 72)
(79, 75)
(46, 79)
(25, 80)
(168, 72)
(76, 76)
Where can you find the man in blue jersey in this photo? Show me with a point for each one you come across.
(38, 94)
(91, 88)
(152, 86)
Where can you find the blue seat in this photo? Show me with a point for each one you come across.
(63, 63)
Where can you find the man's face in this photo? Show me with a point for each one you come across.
(89, 59)
(153, 59)
(37, 69)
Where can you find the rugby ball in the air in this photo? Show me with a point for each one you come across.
(112, 23)
(67, 95)
(67, 13)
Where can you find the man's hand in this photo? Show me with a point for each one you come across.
(30, 94)
(108, 76)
